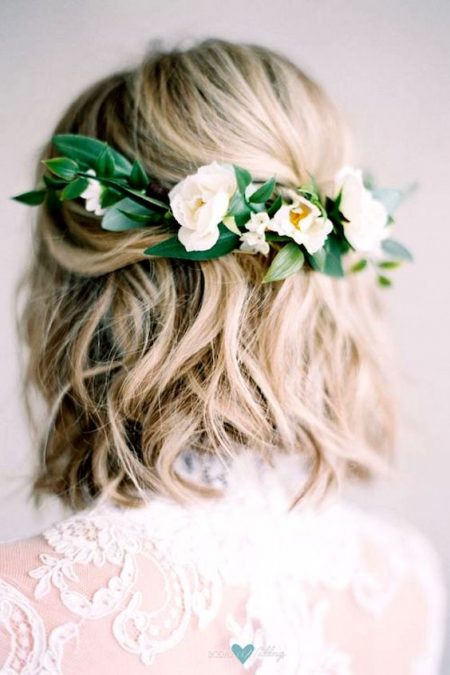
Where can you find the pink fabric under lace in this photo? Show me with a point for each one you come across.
(223, 587)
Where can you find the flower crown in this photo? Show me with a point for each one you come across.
(218, 209)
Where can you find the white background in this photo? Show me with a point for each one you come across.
(385, 62)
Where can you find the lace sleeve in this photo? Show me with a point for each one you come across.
(172, 591)
(93, 596)
(393, 620)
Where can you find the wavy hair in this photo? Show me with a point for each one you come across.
(138, 358)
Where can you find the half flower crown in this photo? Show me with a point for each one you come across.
(218, 209)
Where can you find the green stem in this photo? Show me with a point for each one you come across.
(144, 200)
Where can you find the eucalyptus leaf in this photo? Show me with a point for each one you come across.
(396, 250)
(328, 259)
(138, 218)
(391, 198)
(173, 248)
(74, 189)
(243, 178)
(124, 215)
(263, 193)
(287, 261)
(86, 150)
(115, 221)
(63, 167)
(317, 260)
(32, 198)
(149, 218)
(333, 266)
(333, 260)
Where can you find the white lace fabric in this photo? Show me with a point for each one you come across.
(171, 589)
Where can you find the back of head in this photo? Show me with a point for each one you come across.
(138, 358)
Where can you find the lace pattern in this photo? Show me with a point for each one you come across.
(288, 563)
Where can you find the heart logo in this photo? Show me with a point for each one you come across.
(242, 653)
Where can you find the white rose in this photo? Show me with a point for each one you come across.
(200, 202)
(303, 221)
(92, 195)
(367, 216)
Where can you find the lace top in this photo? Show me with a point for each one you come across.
(225, 586)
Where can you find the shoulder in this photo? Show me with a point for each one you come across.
(52, 584)
(399, 579)
(95, 582)
(389, 535)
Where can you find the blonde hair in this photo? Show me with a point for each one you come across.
(138, 358)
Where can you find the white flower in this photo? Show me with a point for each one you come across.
(200, 202)
(259, 222)
(92, 195)
(303, 221)
(254, 240)
(367, 216)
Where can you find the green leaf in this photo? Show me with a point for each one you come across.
(263, 193)
(54, 183)
(272, 236)
(85, 149)
(333, 212)
(136, 196)
(384, 281)
(62, 167)
(396, 250)
(333, 263)
(173, 248)
(115, 220)
(74, 189)
(287, 261)
(139, 217)
(317, 260)
(32, 198)
(243, 178)
(230, 222)
(328, 259)
(109, 197)
(278, 202)
(333, 266)
(104, 164)
(389, 264)
(53, 202)
(138, 177)
(359, 266)
(239, 209)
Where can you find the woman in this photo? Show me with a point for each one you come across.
(204, 411)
